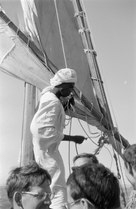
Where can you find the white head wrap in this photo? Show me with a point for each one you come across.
(65, 75)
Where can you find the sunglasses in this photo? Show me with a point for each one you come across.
(40, 195)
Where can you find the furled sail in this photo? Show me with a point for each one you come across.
(57, 36)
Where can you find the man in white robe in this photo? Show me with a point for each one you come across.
(47, 130)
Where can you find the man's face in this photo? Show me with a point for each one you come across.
(66, 89)
(81, 203)
(37, 198)
(71, 203)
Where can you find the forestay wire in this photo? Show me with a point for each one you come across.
(65, 61)
(62, 43)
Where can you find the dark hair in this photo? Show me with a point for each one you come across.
(92, 157)
(23, 178)
(97, 184)
(130, 156)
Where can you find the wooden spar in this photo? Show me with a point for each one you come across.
(22, 36)
(29, 109)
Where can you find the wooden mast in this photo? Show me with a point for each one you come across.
(26, 154)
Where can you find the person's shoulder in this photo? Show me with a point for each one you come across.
(50, 98)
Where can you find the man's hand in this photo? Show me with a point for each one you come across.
(78, 139)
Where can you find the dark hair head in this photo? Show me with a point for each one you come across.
(23, 178)
(95, 183)
(92, 157)
(130, 156)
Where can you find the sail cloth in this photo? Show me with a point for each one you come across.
(58, 35)
(53, 28)
(17, 59)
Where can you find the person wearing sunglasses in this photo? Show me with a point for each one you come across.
(92, 186)
(130, 172)
(47, 129)
(28, 187)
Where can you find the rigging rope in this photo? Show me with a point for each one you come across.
(69, 147)
(119, 169)
(62, 43)
(86, 133)
(76, 149)
(110, 156)
(66, 65)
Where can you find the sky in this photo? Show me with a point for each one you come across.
(112, 25)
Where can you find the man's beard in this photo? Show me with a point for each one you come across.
(68, 103)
